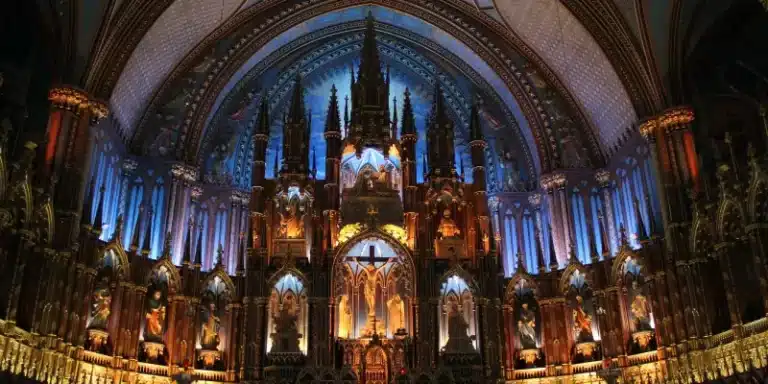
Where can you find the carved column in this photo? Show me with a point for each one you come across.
(68, 155)
(182, 178)
(549, 183)
(603, 179)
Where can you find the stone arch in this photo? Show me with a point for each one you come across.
(400, 249)
(572, 268)
(619, 264)
(174, 279)
(122, 269)
(219, 272)
(509, 292)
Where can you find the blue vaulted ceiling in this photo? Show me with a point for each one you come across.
(324, 59)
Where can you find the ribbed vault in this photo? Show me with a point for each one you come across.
(544, 101)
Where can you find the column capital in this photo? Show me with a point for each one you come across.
(603, 177)
(76, 100)
(672, 119)
(129, 166)
(535, 200)
(552, 181)
(184, 172)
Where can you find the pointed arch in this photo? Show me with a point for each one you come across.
(619, 264)
(570, 270)
(221, 274)
(122, 269)
(509, 292)
(400, 250)
(463, 274)
(174, 279)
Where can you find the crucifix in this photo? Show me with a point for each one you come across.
(372, 273)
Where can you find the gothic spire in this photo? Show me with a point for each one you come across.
(346, 114)
(219, 257)
(187, 257)
(475, 131)
(593, 254)
(332, 120)
(394, 119)
(146, 247)
(166, 247)
(540, 251)
(408, 125)
(553, 264)
(85, 220)
(118, 228)
(603, 235)
(199, 248)
(642, 234)
(651, 219)
(98, 222)
(240, 268)
(370, 65)
(297, 111)
(438, 107)
(137, 230)
(263, 127)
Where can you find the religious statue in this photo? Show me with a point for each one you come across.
(526, 325)
(209, 336)
(155, 317)
(396, 312)
(369, 291)
(447, 227)
(458, 340)
(291, 222)
(511, 170)
(639, 309)
(345, 317)
(582, 322)
(285, 338)
(101, 308)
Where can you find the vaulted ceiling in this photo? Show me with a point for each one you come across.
(593, 67)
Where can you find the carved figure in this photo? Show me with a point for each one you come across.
(447, 227)
(209, 338)
(101, 308)
(582, 322)
(155, 317)
(458, 340)
(396, 312)
(526, 325)
(285, 338)
(512, 179)
(639, 309)
(345, 317)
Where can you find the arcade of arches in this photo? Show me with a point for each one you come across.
(383, 191)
